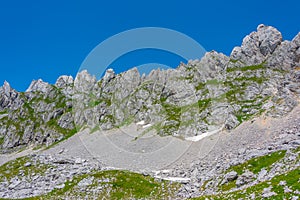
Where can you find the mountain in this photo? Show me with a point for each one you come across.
(230, 128)
(260, 77)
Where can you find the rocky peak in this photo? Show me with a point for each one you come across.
(7, 89)
(84, 82)
(38, 85)
(258, 45)
(269, 38)
(296, 41)
(7, 95)
(109, 74)
(64, 81)
(214, 61)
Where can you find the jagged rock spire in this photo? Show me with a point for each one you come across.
(257, 45)
(38, 85)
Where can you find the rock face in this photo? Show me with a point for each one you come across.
(39, 116)
(261, 76)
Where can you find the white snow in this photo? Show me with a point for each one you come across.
(175, 179)
(203, 135)
(148, 125)
(141, 123)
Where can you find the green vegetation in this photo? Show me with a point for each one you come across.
(200, 86)
(204, 104)
(296, 150)
(228, 186)
(121, 184)
(247, 68)
(213, 82)
(52, 123)
(1, 140)
(256, 164)
(291, 178)
(172, 114)
(3, 112)
(258, 80)
(16, 167)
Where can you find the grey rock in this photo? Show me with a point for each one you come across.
(267, 193)
(86, 182)
(230, 176)
(245, 178)
(262, 175)
(14, 184)
(60, 186)
(38, 86)
(27, 164)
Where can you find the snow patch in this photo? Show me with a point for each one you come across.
(147, 126)
(175, 179)
(141, 123)
(200, 137)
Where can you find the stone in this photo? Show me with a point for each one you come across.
(86, 182)
(61, 186)
(245, 178)
(38, 85)
(14, 184)
(287, 189)
(267, 193)
(230, 176)
(78, 161)
(262, 174)
(27, 164)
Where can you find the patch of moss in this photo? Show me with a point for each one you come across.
(256, 164)
(258, 80)
(247, 68)
(213, 82)
(121, 184)
(291, 178)
(204, 104)
(66, 132)
(228, 186)
(1, 140)
(200, 86)
(296, 150)
(15, 167)
(3, 112)
(233, 60)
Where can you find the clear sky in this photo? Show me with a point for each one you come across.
(46, 39)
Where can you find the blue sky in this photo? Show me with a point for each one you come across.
(45, 39)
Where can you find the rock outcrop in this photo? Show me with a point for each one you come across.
(260, 77)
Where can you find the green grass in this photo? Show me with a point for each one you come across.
(1, 140)
(256, 164)
(247, 68)
(292, 179)
(122, 185)
(213, 82)
(14, 167)
(3, 112)
(204, 104)
(296, 150)
(258, 80)
(228, 186)
(200, 86)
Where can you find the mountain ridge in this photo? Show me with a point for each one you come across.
(261, 76)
